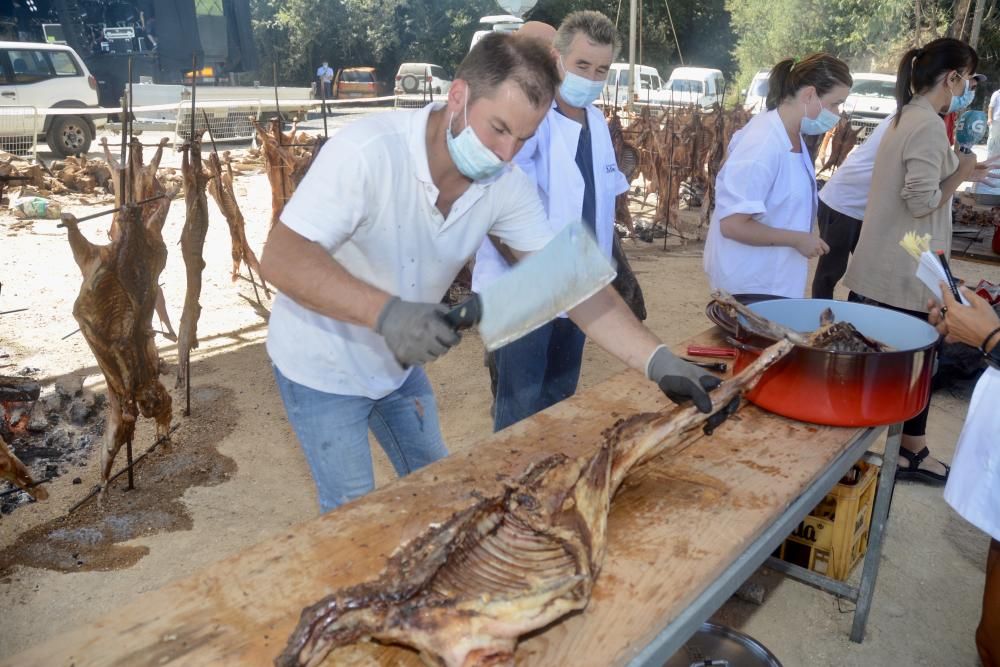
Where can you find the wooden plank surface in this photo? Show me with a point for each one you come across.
(977, 247)
(675, 525)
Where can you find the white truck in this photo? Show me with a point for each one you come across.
(228, 108)
(692, 86)
(872, 98)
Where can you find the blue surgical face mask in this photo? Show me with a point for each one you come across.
(821, 124)
(473, 159)
(578, 91)
(959, 102)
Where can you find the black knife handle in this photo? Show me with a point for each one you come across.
(465, 314)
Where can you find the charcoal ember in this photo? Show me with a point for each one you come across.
(39, 420)
(69, 385)
(79, 412)
(59, 439)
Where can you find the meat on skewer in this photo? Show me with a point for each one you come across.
(286, 161)
(115, 309)
(114, 182)
(221, 188)
(464, 590)
(17, 473)
(192, 245)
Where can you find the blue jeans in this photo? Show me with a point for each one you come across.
(332, 430)
(536, 371)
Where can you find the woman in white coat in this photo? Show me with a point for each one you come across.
(761, 237)
(973, 487)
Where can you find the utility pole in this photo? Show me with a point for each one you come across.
(977, 23)
(916, 11)
(632, 8)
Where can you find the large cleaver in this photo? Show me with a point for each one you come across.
(563, 274)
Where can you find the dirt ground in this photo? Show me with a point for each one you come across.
(234, 474)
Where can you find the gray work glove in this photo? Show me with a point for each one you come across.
(680, 380)
(415, 332)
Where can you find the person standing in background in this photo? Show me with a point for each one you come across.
(993, 114)
(916, 174)
(761, 237)
(325, 76)
(843, 199)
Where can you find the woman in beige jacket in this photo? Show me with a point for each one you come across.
(916, 173)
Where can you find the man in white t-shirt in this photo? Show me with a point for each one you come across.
(393, 207)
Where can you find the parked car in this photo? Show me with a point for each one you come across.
(419, 83)
(692, 86)
(872, 98)
(616, 89)
(755, 97)
(47, 76)
(352, 82)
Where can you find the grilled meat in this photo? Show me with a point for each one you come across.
(463, 591)
(17, 473)
(115, 309)
(221, 188)
(192, 244)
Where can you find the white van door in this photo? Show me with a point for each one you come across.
(17, 125)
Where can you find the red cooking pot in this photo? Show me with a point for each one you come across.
(842, 388)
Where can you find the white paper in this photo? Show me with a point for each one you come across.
(931, 273)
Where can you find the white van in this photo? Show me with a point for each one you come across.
(499, 23)
(648, 84)
(47, 76)
(756, 94)
(693, 86)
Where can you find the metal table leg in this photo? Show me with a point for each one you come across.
(863, 593)
(876, 535)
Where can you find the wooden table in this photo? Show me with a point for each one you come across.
(684, 532)
(974, 243)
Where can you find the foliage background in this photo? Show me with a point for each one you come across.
(736, 36)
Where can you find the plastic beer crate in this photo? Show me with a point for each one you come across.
(834, 537)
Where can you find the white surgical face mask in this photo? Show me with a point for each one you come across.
(959, 102)
(821, 124)
(471, 157)
(578, 91)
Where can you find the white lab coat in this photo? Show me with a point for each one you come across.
(549, 159)
(762, 177)
(974, 483)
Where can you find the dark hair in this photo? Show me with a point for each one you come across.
(820, 70)
(919, 69)
(498, 57)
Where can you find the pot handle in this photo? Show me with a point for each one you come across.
(745, 347)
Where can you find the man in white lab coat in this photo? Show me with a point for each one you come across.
(572, 161)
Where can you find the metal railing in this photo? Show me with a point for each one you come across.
(19, 130)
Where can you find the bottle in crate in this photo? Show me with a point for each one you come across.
(834, 537)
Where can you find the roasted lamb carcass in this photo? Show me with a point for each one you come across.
(150, 184)
(843, 141)
(463, 592)
(115, 309)
(221, 188)
(286, 161)
(17, 473)
(192, 244)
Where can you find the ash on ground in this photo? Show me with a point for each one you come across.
(62, 429)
